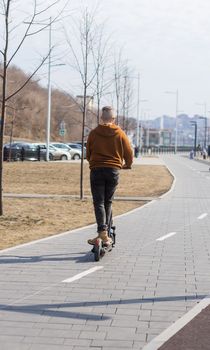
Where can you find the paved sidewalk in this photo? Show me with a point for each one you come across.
(158, 271)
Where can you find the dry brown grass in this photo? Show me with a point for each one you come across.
(63, 178)
(29, 219)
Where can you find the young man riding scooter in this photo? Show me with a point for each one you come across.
(108, 151)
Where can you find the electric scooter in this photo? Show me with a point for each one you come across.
(100, 248)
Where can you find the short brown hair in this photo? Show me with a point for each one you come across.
(107, 114)
(107, 108)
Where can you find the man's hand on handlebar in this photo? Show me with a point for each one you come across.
(126, 167)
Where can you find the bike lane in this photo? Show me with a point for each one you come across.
(157, 272)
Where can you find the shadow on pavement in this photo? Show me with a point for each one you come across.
(47, 309)
(77, 257)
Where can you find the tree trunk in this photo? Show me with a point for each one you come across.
(83, 136)
(3, 107)
(84, 114)
(3, 112)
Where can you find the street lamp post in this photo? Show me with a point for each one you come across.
(205, 131)
(138, 127)
(147, 131)
(205, 119)
(176, 93)
(194, 123)
(138, 111)
(49, 89)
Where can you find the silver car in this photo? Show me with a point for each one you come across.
(77, 146)
(75, 153)
(55, 153)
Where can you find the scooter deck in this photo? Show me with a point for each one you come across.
(105, 246)
(100, 249)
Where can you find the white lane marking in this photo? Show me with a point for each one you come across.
(166, 236)
(162, 338)
(82, 274)
(202, 216)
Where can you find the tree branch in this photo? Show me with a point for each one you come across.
(48, 7)
(52, 21)
(75, 57)
(32, 22)
(28, 79)
(24, 36)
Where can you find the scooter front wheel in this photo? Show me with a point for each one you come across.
(97, 249)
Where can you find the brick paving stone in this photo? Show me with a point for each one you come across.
(113, 343)
(113, 348)
(59, 333)
(10, 345)
(83, 348)
(78, 342)
(54, 326)
(92, 335)
(19, 331)
(43, 340)
(50, 347)
(120, 333)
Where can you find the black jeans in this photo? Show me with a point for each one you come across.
(103, 183)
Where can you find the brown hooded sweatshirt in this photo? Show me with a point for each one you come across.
(108, 146)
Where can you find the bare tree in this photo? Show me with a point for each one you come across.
(83, 62)
(129, 104)
(126, 97)
(24, 29)
(101, 61)
(119, 81)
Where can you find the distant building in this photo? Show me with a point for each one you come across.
(156, 137)
(166, 137)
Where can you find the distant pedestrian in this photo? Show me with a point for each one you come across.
(205, 154)
(191, 154)
(136, 151)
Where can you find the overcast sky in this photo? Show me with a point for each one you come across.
(166, 41)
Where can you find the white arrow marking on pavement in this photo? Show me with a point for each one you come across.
(82, 274)
(202, 216)
(166, 236)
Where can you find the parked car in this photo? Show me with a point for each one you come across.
(75, 153)
(77, 146)
(55, 153)
(80, 143)
(23, 151)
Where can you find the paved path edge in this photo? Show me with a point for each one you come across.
(162, 338)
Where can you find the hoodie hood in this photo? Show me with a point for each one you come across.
(108, 130)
